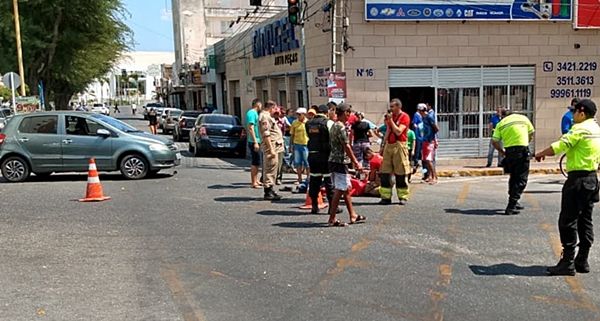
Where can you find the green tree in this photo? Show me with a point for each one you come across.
(66, 43)
(5, 93)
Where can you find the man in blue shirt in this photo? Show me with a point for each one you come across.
(494, 120)
(417, 127)
(567, 119)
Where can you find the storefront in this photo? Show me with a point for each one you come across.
(465, 65)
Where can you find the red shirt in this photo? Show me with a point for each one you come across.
(402, 119)
(375, 162)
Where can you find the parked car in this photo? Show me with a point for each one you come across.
(170, 120)
(185, 123)
(5, 115)
(48, 142)
(218, 133)
(100, 109)
(148, 106)
(163, 116)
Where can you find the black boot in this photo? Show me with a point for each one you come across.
(270, 195)
(315, 206)
(519, 207)
(581, 261)
(511, 208)
(566, 265)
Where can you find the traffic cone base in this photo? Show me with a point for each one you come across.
(94, 191)
(308, 203)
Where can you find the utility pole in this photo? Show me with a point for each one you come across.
(303, 69)
(19, 49)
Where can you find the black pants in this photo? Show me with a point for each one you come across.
(516, 163)
(319, 176)
(579, 194)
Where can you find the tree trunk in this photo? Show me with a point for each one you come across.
(61, 101)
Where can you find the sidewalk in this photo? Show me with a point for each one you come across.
(476, 167)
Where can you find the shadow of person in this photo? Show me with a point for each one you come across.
(302, 224)
(482, 212)
(235, 199)
(227, 187)
(281, 213)
(542, 192)
(509, 269)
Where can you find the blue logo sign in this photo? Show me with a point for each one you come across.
(274, 38)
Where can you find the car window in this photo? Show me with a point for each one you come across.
(115, 123)
(39, 125)
(221, 119)
(81, 126)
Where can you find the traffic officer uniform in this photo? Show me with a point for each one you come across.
(317, 130)
(271, 131)
(580, 191)
(514, 132)
(395, 161)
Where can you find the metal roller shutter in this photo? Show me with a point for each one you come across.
(495, 76)
(458, 77)
(522, 75)
(410, 77)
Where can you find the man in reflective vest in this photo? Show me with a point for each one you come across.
(317, 130)
(395, 155)
(515, 132)
(580, 192)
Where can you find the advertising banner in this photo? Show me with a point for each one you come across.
(411, 10)
(336, 85)
(27, 104)
(588, 14)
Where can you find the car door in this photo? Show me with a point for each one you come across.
(38, 136)
(81, 142)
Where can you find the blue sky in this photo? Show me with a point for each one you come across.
(151, 23)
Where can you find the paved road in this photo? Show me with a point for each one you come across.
(201, 245)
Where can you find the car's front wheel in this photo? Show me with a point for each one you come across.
(15, 169)
(134, 166)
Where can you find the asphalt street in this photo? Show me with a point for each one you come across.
(197, 243)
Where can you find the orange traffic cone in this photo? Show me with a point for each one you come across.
(94, 188)
(308, 202)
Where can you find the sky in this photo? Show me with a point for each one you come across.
(151, 23)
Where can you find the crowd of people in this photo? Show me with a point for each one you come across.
(334, 148)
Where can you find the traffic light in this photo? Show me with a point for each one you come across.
(294, 11)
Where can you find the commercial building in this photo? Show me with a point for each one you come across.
(464, 60)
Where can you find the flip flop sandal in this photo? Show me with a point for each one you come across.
(359, 219)
(337, 223)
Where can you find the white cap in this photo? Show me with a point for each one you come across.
(421, 106)
(301, 110)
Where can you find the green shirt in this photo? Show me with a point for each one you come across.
(252, 119)
(513, 130)
(582, 145)
(411, 139)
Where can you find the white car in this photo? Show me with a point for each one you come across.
(100, 109)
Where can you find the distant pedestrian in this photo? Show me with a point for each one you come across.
(411, 143)
(515, 132)
(430, 144)
(272, 142)
(331, 113)
(311, 113)
(494, 120)
(395, 155)
(117, 110)
(319, 149)
(567, 120)
(582, 146)
(283, 156)
(361, 132)
(340, 157)
(252, 127)
(133, 108)
(152, 120)
(299, 140)
(417, 126)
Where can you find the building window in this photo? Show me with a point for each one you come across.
(282, 98)
(300, 96)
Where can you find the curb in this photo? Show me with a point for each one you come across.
(491, 172)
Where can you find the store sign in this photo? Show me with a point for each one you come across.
(468, 10)
(572, 78)
(274, 38)
(287, 59)
(336, 85)
(588, 14)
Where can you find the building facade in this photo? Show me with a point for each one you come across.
(465, 69)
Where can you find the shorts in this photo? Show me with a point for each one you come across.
(340, 176)
(395, 159)
(255, 155)
(300, 156)
(318, 164)
(428, 151)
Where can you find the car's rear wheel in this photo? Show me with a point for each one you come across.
(134, 166)
(15, 169)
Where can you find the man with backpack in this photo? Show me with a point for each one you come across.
(430, 143)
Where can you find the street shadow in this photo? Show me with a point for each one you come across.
(236, 199)
(553, 182)
(57, 178)
(482, 212)
(228, 187)
(308, 224)
(541, 192)
(508, 269)
(282, 213)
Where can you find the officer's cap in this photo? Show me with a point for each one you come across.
(587, 106)
(323, 109)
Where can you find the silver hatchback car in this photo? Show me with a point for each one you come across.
(48, 142)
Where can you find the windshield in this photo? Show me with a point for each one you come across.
(221, 119)
(176, 113)
(115, 123)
